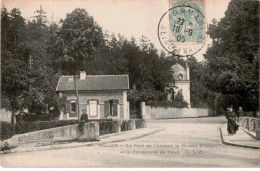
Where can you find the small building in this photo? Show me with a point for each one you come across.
(181, 82)
(103, 96)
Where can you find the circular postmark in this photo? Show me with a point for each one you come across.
(182, 30)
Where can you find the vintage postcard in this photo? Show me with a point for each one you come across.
(130, 83)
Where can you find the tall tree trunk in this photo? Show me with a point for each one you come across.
(13, 117)
(13, 121)
(95, 66)
(77, 94)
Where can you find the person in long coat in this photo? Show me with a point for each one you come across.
(83, 119)
(232, 126)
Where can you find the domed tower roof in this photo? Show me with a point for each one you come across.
(179, 73)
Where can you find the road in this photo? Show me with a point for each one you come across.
(193, 142)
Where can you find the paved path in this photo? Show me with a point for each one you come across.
(242, 138)
(182, 143)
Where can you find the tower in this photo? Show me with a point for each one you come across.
(181, 76)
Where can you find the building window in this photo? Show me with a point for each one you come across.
(111, 108)
(180, 76)
(73, 106)
(93, 108)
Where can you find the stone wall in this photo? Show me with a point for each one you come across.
(167, 113)
(65, 133)
(72, 132)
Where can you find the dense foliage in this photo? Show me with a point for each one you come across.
(233, 59)
(28, 80)
(7, 130)
(35, 53)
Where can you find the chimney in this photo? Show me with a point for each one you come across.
(82, 75)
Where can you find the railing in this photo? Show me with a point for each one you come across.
(248, 123)
(109, 127)
(140, 123)
(126, 125)
(251, 124)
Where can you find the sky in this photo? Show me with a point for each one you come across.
(127, 17)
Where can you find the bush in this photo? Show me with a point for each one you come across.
(28, 117)
(176, 104)
(24, 127)
(7, 130)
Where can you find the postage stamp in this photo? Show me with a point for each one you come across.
(182, 29)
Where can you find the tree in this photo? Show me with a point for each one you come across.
(80, 36)
(40, 17)
(38, 35)
(233, 58)
(5, 24)
(78, 44)
(179, 102)
(201, 96)
(24, 85)
(13, 70)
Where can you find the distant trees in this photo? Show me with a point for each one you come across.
(77, 44)
(228, 76)
(148, 72)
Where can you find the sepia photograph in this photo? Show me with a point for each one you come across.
(130, 84)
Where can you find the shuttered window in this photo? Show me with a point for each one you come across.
(111, 107)
(73, 106)
(114, 113)
(106, 109)
(67, 107)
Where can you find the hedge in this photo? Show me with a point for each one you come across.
(166, 104)
(24, 127)
(7, 130)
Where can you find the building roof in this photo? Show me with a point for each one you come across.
(94, 82)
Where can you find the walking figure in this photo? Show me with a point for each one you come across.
(232, 126)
